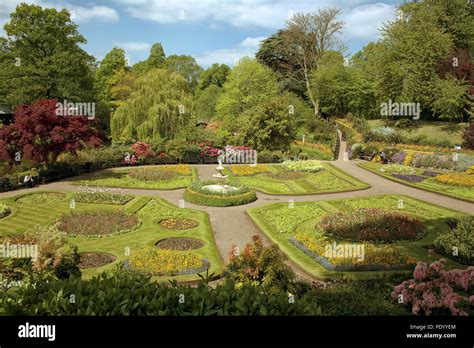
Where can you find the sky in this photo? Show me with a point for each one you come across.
(212, 31)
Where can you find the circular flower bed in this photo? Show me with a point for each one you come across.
(36, 198)
(197, 194)
(178, 224)
(161, 262)
(174, 243)
(97, 223)
(95, 259)
(4, 211)
(372, 225)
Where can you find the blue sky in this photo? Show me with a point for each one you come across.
(210, 30)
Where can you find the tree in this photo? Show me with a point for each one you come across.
(279, 55)
(121, 86)
(215, 75)
(449, 98)
(248, 85)
(159, 105)
(270, 125)
(39, 135)
(205, 102)
(310, 36)
(112, 63)
(186, 66)
(41, 58)
(155, 60)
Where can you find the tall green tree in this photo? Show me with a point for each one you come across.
(113, 62)
(158, 107)
(186, 66)
(214, 75)
(205, 102)
(248, 85)
(155, 60)
(42, 58)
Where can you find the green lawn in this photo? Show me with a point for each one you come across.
(120, 178)
(429, 184)
(331, 179)
(25, 216)
(280, 222)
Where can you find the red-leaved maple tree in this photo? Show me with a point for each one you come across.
(39, 135)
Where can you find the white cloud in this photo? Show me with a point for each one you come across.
(365, 21)
(230, 56)
(134, 46)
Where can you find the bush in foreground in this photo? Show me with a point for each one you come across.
(459, 242)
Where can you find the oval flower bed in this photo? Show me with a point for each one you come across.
(37, 198)
(178, 224)
(372, 225)
(101, 195)
(175, 243)
(162, 262)
(4, 210)
(97, 223)
(95, 259)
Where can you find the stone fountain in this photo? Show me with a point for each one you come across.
(220, 187)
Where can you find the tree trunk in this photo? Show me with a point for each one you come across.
(308, 89)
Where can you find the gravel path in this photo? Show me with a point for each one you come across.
(233, 227)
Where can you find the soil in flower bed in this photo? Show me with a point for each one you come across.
(37, 198)
(89, 260)
(180, 243)
(178, 224)
(97, 224)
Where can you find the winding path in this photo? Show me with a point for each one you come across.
(233, 227)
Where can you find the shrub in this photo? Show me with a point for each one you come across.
(371, 225)
(384, 134)
(311, 166)
(456, 179)
(468, 136)
(408, 159)
(356, 150)
(369, 150)
(125, 293)
(260, 266)
(399, 157)
(459, 242)
(216, 200)
(435, 291)
(4, 210)
(433, 161)
(97, 223)
(159, 262)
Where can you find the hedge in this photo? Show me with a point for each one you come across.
(219, 201)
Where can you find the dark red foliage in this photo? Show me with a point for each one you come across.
(459, 64)
(143, 149)
(468, 136)
(39, 135)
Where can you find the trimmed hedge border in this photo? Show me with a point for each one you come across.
(219, 201)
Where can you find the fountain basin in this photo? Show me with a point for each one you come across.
(219, 188)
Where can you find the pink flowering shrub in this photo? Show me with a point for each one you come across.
(436, 291)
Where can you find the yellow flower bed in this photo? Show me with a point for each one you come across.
(470, 170)
(249, 170)
(373, 254)
(165, 262)
(321, 147)
(181, 169)
(456, 179)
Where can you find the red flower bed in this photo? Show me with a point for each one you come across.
(372, 225)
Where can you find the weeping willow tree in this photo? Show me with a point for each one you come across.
(159, 106)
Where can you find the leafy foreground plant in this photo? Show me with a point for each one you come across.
(125, 293)
(458, 243)
(435, 291)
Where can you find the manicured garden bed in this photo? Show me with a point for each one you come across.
(298, 232)
(150, 211)
(162, 177)
(278, 180)
(424, 181)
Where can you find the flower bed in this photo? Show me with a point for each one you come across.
(242, 170)
(174, 243)
(456, 179)
(371, 225)
(178, 224)
(97, 223)
(311, 166)
(410, 178)
(95, 259)
(375, 257)
(102, 195)
(398, 169)
(152, 174)
(284, 175)
(38, 198)
(4, 210)
(161, 262)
